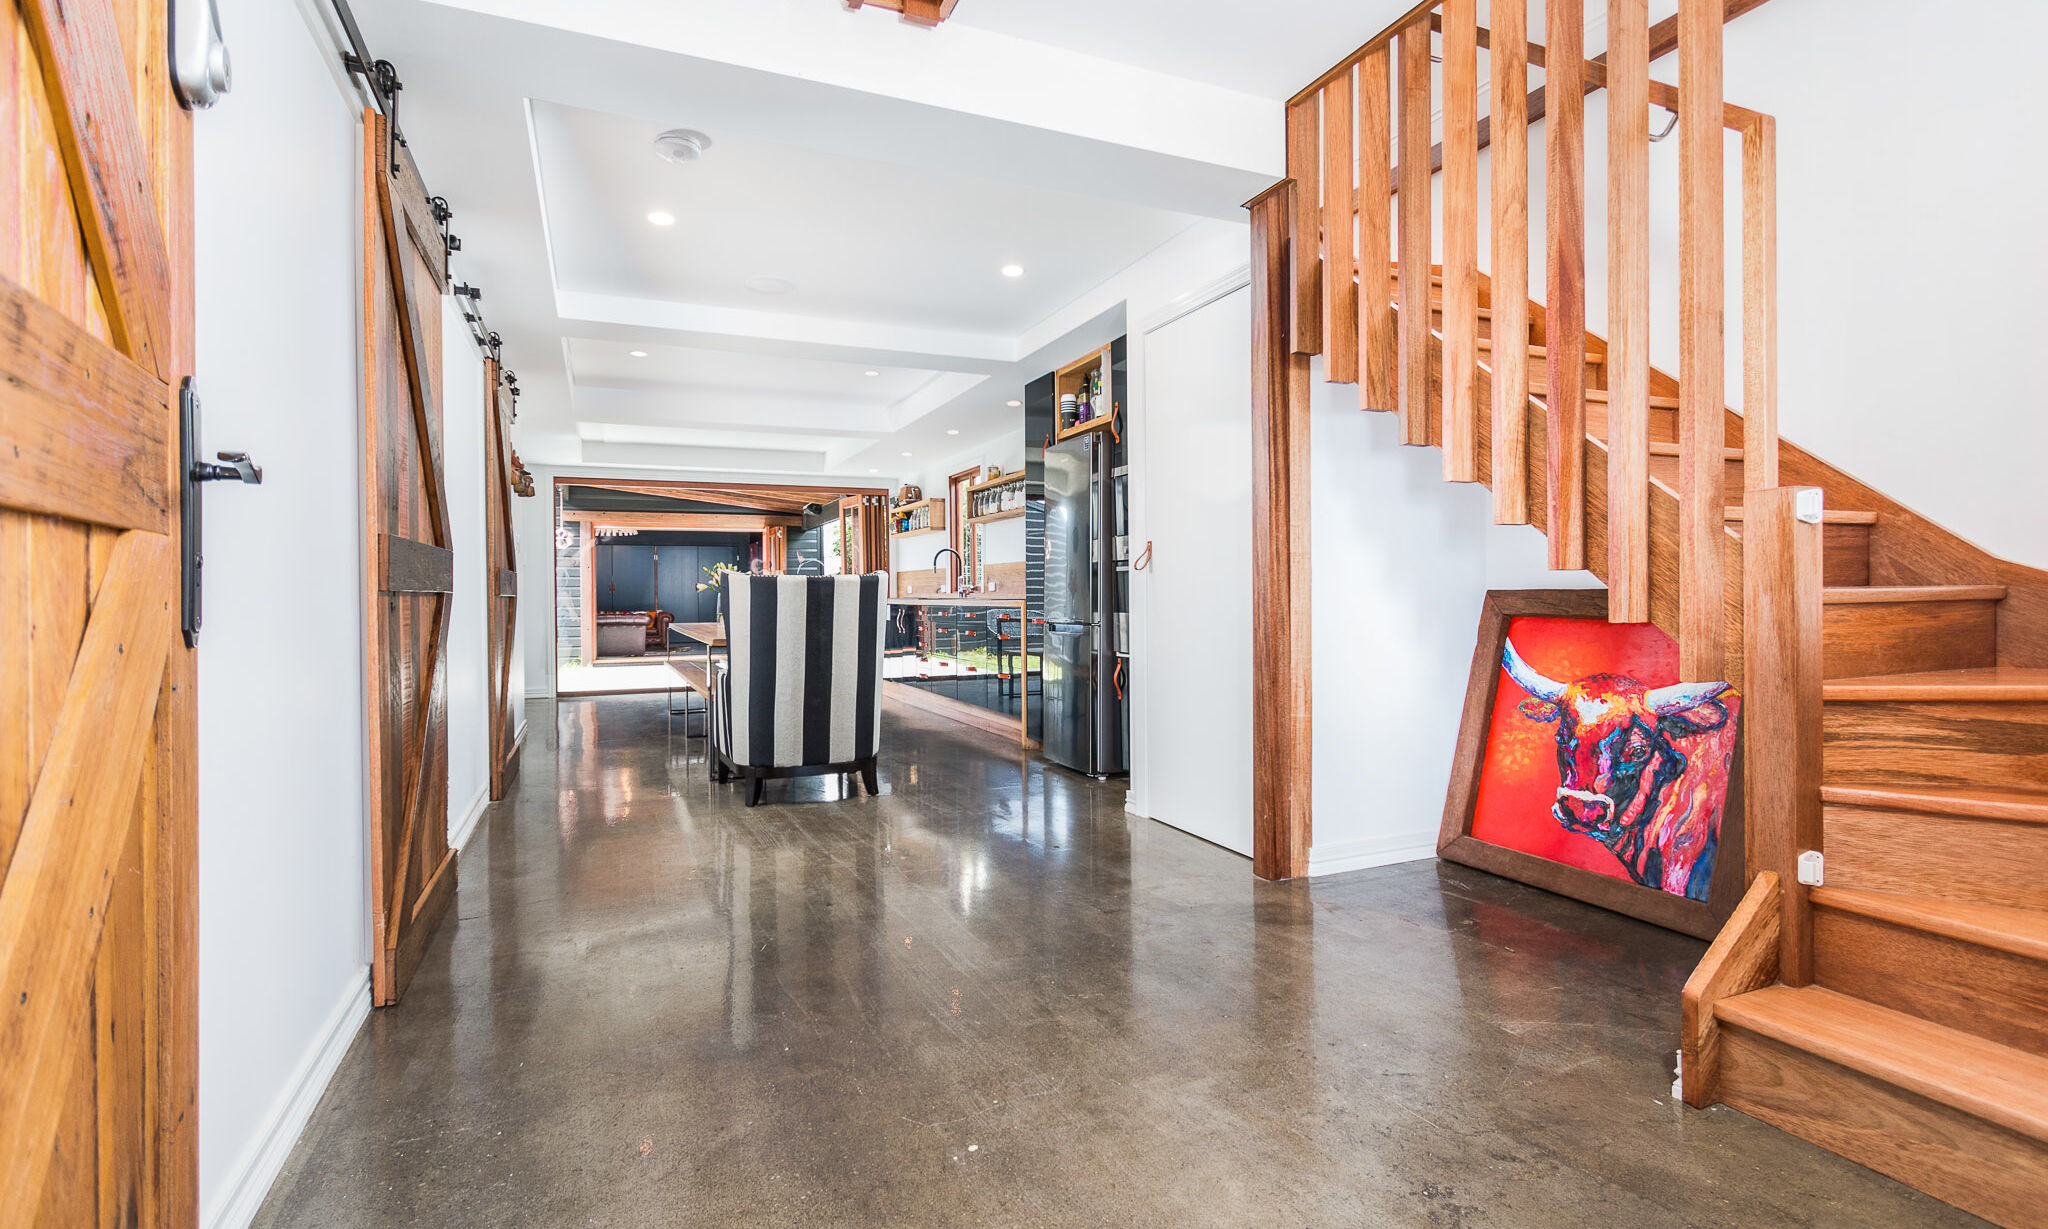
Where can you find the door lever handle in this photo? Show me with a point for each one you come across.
(238, 469)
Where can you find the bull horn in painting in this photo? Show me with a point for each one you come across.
(1525, 674)
(1682, 697)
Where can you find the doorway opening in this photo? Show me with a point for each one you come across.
(637, 566)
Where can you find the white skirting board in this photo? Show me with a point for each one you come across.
(459, 831)
(249, 1181)
(1372, 851)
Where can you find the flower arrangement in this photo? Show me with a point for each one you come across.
(716, 572)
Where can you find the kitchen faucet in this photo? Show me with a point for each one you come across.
(947, 550)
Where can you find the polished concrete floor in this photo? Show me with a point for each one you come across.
(989, 997)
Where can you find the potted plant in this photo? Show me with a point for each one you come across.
(715, 574)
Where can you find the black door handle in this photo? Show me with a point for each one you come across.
(238, 469)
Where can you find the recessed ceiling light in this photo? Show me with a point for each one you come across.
(906, 454)
(952, 430)
(682, 144)
(1013, 404)
(872, 373)
(1013, 270)
(874, 471)
(764, 283)
(661, 217)
(637, 353)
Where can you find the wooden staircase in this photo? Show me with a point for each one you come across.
(1895, 676)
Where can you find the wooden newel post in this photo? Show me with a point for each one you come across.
(1280, 579)
(1781, 709)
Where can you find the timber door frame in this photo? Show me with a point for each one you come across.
(501, 576)
(98, 789)
(409, 580)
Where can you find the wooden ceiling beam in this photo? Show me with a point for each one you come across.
(916, 12)
(702, 521)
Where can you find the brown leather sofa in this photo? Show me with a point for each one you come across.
(657, 630)
(632, 633)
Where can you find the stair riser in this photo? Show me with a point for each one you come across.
(1935, 743)
(1845, 555)
(1980, 861)
(1663, 423)
(1665, 470)
(1436, 321)
(1861, 638)
(1954, 1156)
(1994, 994)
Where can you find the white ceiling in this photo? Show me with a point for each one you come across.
(610, 364)
(888, 172)
(856, 237)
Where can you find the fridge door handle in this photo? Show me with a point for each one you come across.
(1054, 628)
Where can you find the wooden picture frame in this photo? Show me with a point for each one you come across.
(1455, 842)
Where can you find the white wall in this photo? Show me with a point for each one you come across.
(1003, 541)
(283, 924)
(533, 522)
(283, 891)
(1911, 249)
(462, 460)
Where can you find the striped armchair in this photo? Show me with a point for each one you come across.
(799, 690)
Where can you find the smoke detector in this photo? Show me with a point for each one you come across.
(682, 144)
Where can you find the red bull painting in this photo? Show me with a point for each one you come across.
(1592, 755)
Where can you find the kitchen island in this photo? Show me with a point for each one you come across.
(965, 657)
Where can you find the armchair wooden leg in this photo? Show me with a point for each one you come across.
(868, 779)
(755, 782)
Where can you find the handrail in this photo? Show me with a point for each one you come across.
(1378, 41)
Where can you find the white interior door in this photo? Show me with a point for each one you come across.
(1198, 616)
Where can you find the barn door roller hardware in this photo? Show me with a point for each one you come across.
(199, 59)
(193, 472)
(380, 77)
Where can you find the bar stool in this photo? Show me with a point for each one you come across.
(1005, 649)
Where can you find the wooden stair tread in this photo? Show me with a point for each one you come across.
(1661, 449)
(1994, 1082)
(1995, 684)
(1535, 352)
(2023, 932)
(1656, 403)
(1969, 801)
(1914, 593)
(1832, 516)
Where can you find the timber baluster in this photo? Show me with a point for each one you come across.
(1461, 242)
(1413, 174)
(1628, 311)
(1510, 300)
(1378, 380)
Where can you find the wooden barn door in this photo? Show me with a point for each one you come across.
(501, 575)
(98, 797)
(411, 569)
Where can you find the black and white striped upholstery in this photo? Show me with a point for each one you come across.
(802, 681)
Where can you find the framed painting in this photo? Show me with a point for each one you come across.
(1584, 767)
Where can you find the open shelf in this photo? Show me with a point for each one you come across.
(1003, 480)
(1004, 515)
(1101, 422)
(937, 508)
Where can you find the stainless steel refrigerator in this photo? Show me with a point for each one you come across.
(1085, 664)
